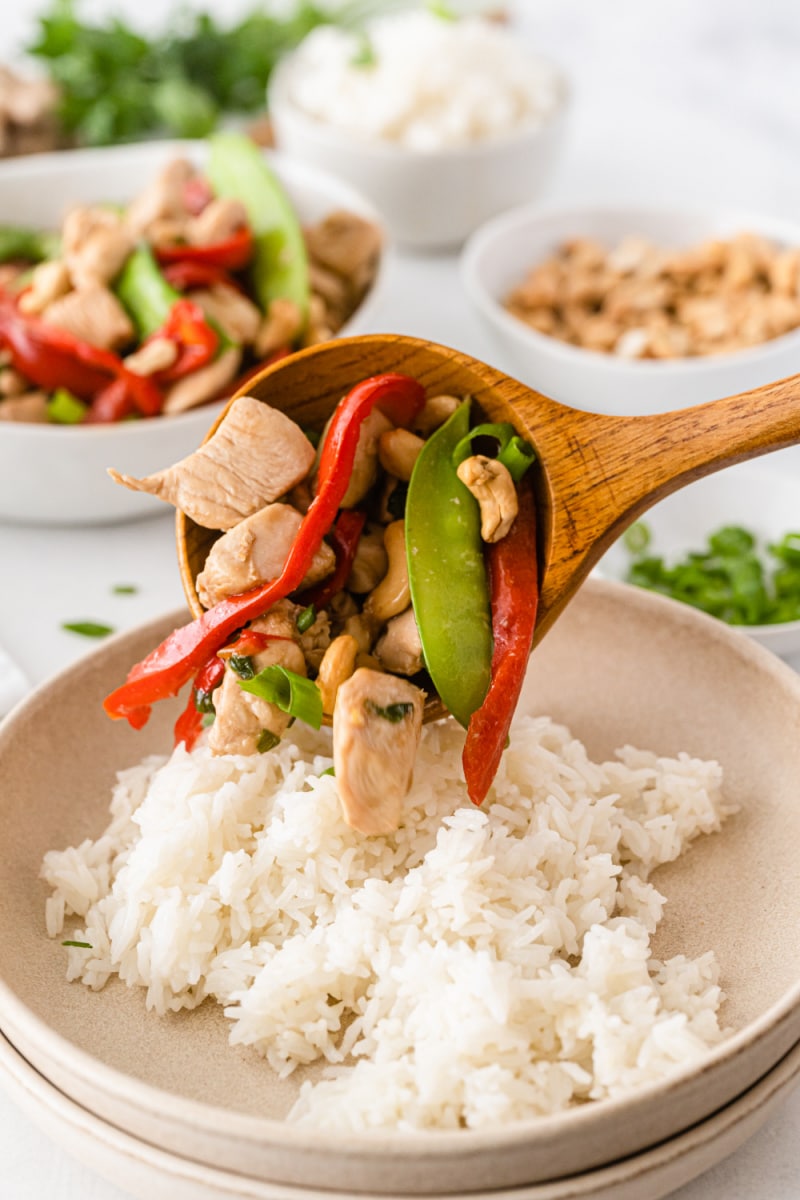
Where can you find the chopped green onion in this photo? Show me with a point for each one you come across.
(242, 665)
(500, 431)
(267, 740)
(91, 629)
(516, 457)
(81, 945)
(392, 712)
(204, 701)
(441, 10)
(306, 618)
(124, 589)
(513, 452)
(65, 409)
(292, 693)
(636, 538)
(364, 55)
(728, 579)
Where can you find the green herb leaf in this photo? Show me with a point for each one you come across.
(306, 618)
(267, 740)
(242, 665)
(92, 629)
(364, 55)
(392, 712)
(327, 771)
(81, 945)
(292, 693)
(204, 701)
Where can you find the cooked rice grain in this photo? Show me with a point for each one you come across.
(478, 966)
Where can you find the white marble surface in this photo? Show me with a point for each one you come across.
(674, 102)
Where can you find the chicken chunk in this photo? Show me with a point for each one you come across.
(96, 244)
(93, 315)
(164, 199)
(256, 455)
(242, 720)
(365, 465)
(377, 724)
(204, 384)
(400, 648)
(237, 316)
(255, 551)
(31, 407)
(347, 245)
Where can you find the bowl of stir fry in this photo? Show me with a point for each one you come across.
(139, 288)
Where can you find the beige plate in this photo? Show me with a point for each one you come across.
(621, 665)
(153, 1174)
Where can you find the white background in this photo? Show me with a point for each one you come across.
(674, 101)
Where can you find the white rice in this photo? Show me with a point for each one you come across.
(479, 966)
(428, 84)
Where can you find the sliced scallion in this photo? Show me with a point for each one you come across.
(91, 629)
(242, 665)
(292, 693)
(267, 740)
(306, 618)
(80, 945)
(516, 457)
(390, 712)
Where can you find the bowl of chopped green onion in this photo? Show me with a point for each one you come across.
(729, 545)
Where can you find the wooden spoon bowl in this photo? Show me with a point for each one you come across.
(594, 476)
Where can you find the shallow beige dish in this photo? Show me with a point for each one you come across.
(620, 665)
(152, 1174)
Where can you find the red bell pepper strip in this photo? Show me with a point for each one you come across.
(114, 403)
(345, 536)
(197, 342)
(51, 358)
(189, 724)
(514, 590)
(167, 668)
(186, 274)
(233, 253)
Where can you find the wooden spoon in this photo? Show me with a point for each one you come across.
(595, 473)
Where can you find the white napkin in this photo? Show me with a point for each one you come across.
(13, 684)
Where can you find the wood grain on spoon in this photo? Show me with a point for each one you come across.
(594, 476)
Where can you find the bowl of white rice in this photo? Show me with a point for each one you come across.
(441, 123)
(593, 962)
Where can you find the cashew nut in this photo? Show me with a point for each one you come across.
(392, 595)
(154, 356)
(49, 281)
(435, 412)
(370, 562)
(493, 488)
(398, 450)
(400, 648)
(338, 664)
(279, 328)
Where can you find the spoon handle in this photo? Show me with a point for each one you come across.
(604, 472)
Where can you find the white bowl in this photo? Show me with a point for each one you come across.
(499, 255)
(751, 495)
(428, 199)
(53, 474)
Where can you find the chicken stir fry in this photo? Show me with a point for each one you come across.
(171, 302)
(347, 584)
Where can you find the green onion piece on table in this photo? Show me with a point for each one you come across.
(292, 693)
(91, 629)
(446, 571)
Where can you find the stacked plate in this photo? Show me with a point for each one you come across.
(165, 1107)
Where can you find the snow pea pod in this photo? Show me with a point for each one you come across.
(446, 572)
(237, 168)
